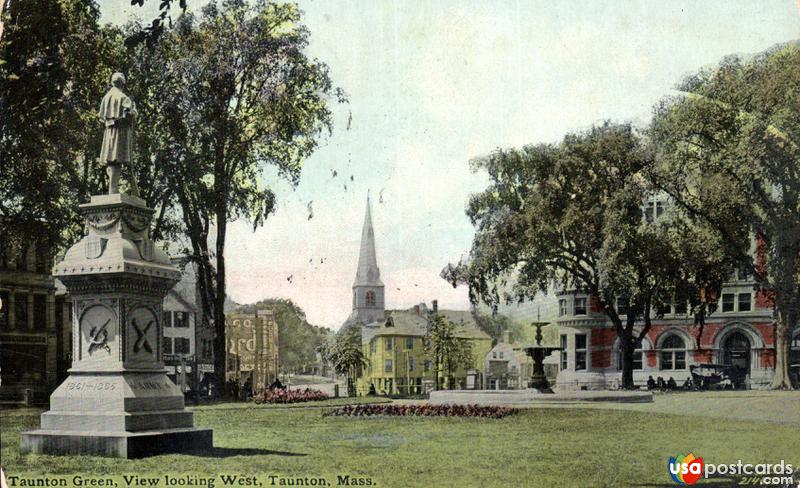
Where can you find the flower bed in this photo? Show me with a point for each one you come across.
(279, 395)
(422, 411)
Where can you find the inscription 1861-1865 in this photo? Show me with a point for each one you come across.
(106, 386)
(90, 385)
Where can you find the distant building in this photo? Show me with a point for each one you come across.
(251, 348)
(399, 362)
(188, 336)
(393, 341)
(32, 321)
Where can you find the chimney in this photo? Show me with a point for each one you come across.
(416, 309)
(435, 304)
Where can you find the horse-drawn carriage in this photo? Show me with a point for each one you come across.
(718, 377)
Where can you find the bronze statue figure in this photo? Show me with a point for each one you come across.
(118, 112)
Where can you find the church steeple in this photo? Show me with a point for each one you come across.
(368, 299)
(367, 273)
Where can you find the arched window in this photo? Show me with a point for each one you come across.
(673, 353)
(370, 298)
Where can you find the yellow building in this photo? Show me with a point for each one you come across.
(399, 363)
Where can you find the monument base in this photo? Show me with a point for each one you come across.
(116, 444)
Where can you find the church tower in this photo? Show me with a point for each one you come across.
(368, 304)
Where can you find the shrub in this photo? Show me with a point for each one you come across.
(280, 395)
(422, 411)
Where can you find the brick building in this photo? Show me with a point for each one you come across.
(741, 332)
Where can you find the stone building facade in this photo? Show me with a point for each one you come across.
(31, 323)
(251, 349)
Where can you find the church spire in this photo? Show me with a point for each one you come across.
(367, 273)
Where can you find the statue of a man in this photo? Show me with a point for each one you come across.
(118, 112)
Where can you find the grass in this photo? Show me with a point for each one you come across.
(574, 446)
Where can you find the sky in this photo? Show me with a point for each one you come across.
(432, 85)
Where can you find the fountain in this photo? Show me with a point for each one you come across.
(538, 352)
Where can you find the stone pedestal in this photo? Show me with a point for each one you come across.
(117, 400)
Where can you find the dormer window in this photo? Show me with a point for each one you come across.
(369, 298)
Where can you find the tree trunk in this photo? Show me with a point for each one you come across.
(783, 336)
(627, 347)
(219, 298)
(435, 371)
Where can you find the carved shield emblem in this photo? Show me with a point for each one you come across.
(95, 246)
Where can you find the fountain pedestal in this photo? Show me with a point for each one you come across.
(538, 353)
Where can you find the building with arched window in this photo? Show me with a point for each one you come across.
(739, 334)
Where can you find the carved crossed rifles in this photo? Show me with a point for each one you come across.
(141, 337)
(98, 338)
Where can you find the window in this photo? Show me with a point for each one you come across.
(387, 366)
(622, 306)
(580, 351)
(370, 298)
(744, 302)
(411, 363)
(39, 311)
(659, 209)
(180, 319)
(728, 300)
(427, 365)
(4, 296)
(494, 354)
(563, 352)
(409, 343)
(373, 346)
(501, 354)
(21, 310)
(167, 348)
(389, 343)
(681, 308)
(662, 309)
(167, 319)
(673, 353)
(649, 211)
(181, 345)
(794, 351)
(638, 357)
(580, 306)
(562, 307)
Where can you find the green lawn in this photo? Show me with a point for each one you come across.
(539, 447)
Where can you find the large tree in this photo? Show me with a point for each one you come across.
(346, 354)
(729, 153)
(447, 352)
(573, 216)
(232, 99)
(55, 63)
